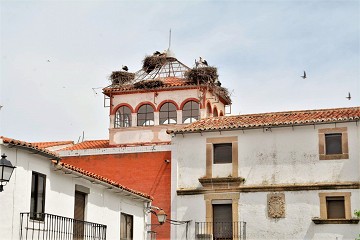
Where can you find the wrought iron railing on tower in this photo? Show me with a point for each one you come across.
(220, 230)
(43, 226)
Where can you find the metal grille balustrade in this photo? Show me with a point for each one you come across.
(43, 226)
(220, 230)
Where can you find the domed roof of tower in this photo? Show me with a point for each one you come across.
(163, 70)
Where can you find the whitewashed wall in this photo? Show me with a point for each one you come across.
(280, 156)
(102, 206)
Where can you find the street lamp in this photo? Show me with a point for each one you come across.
(6, 169)
(161, 215)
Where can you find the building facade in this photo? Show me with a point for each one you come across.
(287, 175)
(48, 199)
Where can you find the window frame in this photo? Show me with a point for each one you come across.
(34, 199)
(167, 113)
(149, 117)
(120, 119)
(194, 112)
(322, 133)
(324, 206)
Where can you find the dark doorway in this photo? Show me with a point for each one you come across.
(222, 225)
(79, 215)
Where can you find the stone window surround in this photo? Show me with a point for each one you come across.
(344, 142)
(233, 197)
(209, 154)
(347, 202)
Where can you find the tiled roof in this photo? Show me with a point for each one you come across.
(95, 144)
(90, 144)
(169, 82)
(30, 147)
(51, 144)
(103, 179)
(273, 119)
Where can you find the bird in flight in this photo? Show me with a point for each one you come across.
(125, 68)
(304, 76)
(48, 60)
(348, 96)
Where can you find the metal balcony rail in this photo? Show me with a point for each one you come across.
(220, 230)
(43, 226)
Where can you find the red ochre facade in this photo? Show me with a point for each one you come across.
(144, 172)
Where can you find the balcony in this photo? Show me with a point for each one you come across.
(43, 226)
(220, 230)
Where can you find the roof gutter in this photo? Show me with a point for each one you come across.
(96, 181)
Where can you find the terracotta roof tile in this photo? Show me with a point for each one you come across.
(103, 179)
(51, 144)
(95, 144)
(272, 119)
(30, 147)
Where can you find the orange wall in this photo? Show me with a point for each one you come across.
(144, 172)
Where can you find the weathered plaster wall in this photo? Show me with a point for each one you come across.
(102, 206)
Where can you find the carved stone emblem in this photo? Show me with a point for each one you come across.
(276, 205)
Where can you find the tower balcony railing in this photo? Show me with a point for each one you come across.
(220, 230)
(44, 226)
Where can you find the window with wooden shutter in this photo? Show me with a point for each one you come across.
(222, 153)
(335, 207)
(79, 215)
(333, 143)
(126, 227)
(222, 221)
(37, 203)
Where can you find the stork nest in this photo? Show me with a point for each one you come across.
(224, 92)
(202, 74)
(148, 84)
(152, 62)
(121, 77)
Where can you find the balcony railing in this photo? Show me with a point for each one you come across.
(220, 230)
(43, 226)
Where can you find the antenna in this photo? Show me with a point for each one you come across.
(169, 39)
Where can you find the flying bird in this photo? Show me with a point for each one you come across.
(348, 96)
(125, 68)
(304, 76)
(48, 60)
(203, 61)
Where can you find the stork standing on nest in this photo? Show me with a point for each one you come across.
(203, 61)
(125, 68)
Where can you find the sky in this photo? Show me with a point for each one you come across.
(57, 55)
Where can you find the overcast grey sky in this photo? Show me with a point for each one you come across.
(260, 48)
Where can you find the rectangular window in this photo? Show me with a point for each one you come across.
(126, 227)
(333, 143)
(223, 153)
(37, 204)
(335, 207)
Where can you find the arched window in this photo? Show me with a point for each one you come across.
(215, 113)
(190, 112)
(168, 113)
(208, 110)
(145, 115)
(123, 117)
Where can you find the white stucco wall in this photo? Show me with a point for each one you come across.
(280, 156)
(103, 206)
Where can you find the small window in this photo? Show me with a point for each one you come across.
(145, 115)
(335, 207)
(168, 113)
(333, 143)
(222, 153)
(37, 204)
(123, 117)
(190, 112)
(126, 227)
(215, 113)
